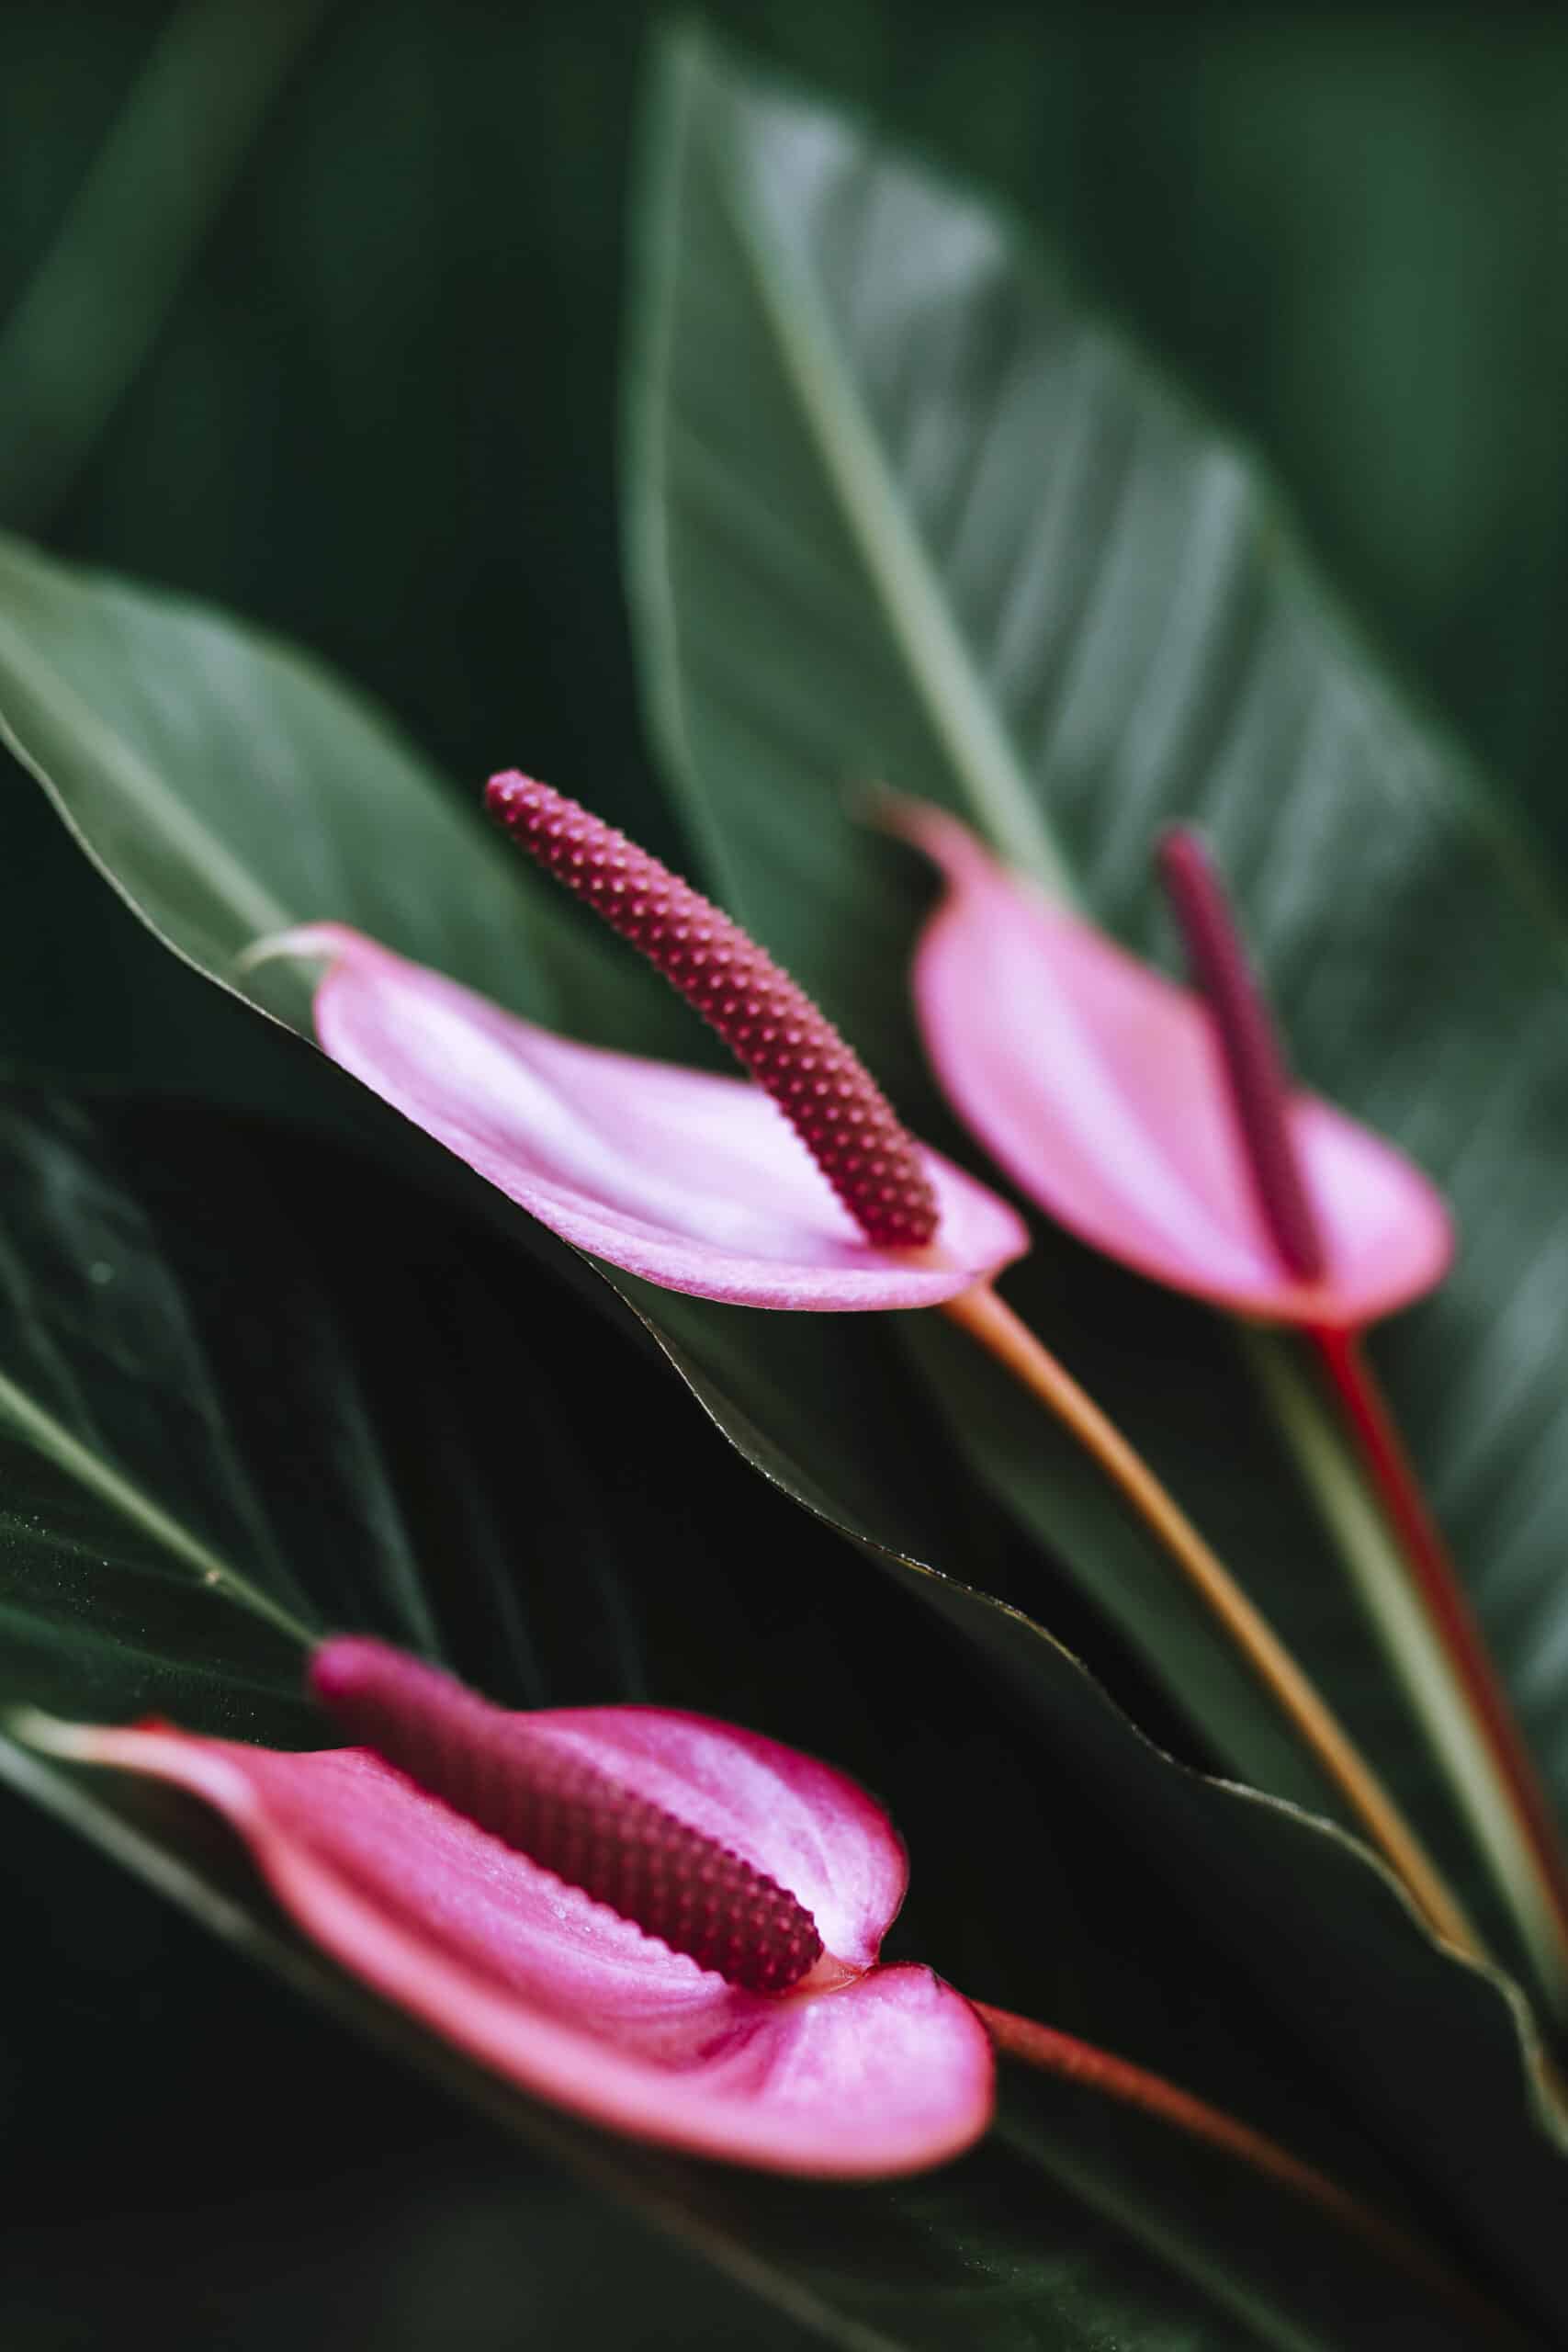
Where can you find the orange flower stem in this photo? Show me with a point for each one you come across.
(1061, 2054)
(1436, 1579)
(996, 1329)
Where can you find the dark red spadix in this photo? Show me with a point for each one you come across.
(528, 1789)
(767, 1020)
(1250, 1048)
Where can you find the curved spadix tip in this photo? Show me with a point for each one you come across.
(345, 1666)
(1179, 852)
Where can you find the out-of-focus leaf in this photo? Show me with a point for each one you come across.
(236, 1401)
(903, 511)
(94, 303)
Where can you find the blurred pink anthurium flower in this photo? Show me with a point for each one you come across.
(690, 1180)
(1114, 1098)
(747, 2017)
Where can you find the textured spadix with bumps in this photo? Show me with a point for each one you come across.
(767, 1020)
(568, 1814)
(477, 1866)
(691, 1181)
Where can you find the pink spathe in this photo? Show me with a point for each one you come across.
(860, 2070)
(1098, 1085)
(693, 1180)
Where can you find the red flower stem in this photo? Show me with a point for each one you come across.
(1259, 1083)
(994, 1324)
(1397, 1484)
(1061, 2054)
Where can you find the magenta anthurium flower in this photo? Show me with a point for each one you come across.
(663, 1923)
(690, 1180)
(487, 1871)
(1104, 1089)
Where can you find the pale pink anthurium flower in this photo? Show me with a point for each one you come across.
(690, 1180)
(1157, 1124)
(663, 1923)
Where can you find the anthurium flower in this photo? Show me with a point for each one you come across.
(1104, 1089)
(666, 1924)
(663, 1923)
(1161, 1125)
(690, 1180)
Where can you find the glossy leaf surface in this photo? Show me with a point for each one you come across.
(829, 1412)
(161, 1501)
(203, 805)
(823, 1406)
(995, 563)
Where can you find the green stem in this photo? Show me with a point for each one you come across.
(1350, 1511)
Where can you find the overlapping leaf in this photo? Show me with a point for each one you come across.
(823, 1406)
(226, 785)
(236, 1403)
(904, 510)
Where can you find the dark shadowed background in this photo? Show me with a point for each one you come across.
(332, 338)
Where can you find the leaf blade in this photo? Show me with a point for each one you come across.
(987, 2246)
(1151, 646)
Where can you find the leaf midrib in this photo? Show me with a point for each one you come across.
(39, 1429)
(909, 595)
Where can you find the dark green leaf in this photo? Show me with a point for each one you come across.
(903, 511)
(226, 783)
(83, 328)
(235, 1396)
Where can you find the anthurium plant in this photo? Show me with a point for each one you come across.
(1064, 1426)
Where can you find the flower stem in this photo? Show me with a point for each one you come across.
(1445, 1664)
(994, 1324)
(1061, 2054)
(1434, 1577)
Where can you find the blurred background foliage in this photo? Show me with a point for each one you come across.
(334, 341)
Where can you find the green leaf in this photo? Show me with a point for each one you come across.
(80, 332)
(130, 706)
(188, 755)
(902, 509)
(237, 1403)
(207, 768)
